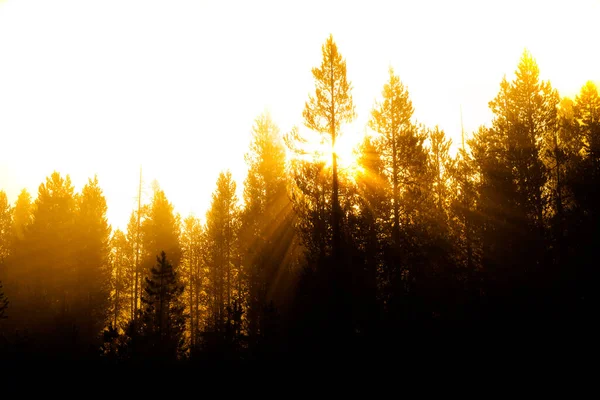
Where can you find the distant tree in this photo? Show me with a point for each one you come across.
(325, 112)
(14, 253)
(441, 165)
(587, 113)
(222, 226)
(441, 273)
(373, 191)
(582, 232)
(370, 232)
(585, 123)
(92, 269)
(121, 279)
(309, 194)
(192, 273)
(266, 230)
(463, 221)
(22, 215)
(524, 114)
(41, 279)
(5, 222)
(161, 230)
(135, 249)
(159, 333)
(400, 145)
(513, 190)
(5, 229)
(50, 241)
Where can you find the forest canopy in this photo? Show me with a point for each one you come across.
(406, 242)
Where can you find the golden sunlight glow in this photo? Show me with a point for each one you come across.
(346, 146)
(104, 87)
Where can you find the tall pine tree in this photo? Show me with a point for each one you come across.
(266, 229)
(325, 112)
(92, 269)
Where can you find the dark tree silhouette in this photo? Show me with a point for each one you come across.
(325, 112)
(158, 334)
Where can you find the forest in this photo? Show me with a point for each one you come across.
(411, 251)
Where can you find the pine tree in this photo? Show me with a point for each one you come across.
(587, 113)
(192, 272)
(325, 112)
(5, 228)
(371, 221)
(309, 194)
(51, 253)
(22, 215)
(465, 232)
(135, 250)
(266, 230)
(222, 222)
(579, 271)
(160, 330)
(463, 202)
(514, 183)
(441, 165)
(92, 269)
(121, 279)
(525, 113)
(160, 230)
(16, 269)
(5, 225)
(400, 146)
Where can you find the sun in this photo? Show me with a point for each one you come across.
(313, 147)
(347, 154)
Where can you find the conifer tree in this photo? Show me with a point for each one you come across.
(222, 225)
(5, 228)
(121, 279)
(400, 145)
(92, 269)
(159, 333)
(51, 255)
(160, 230)
(325, 112)
(192, 273)
(22, 218)
(441, 165)
(266, 231)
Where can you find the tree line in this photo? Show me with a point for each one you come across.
(411, 245)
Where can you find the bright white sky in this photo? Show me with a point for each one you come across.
(106, 86)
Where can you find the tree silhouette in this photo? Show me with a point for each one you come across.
(192, 272)
(121, 282)
(92, 268)
(410, 250)
(222, 224)
(158, 334)
(266, 228)
(5, 227)
(397, 141)
(160, 230)
(325, 112)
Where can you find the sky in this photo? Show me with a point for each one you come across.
(104, 87)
